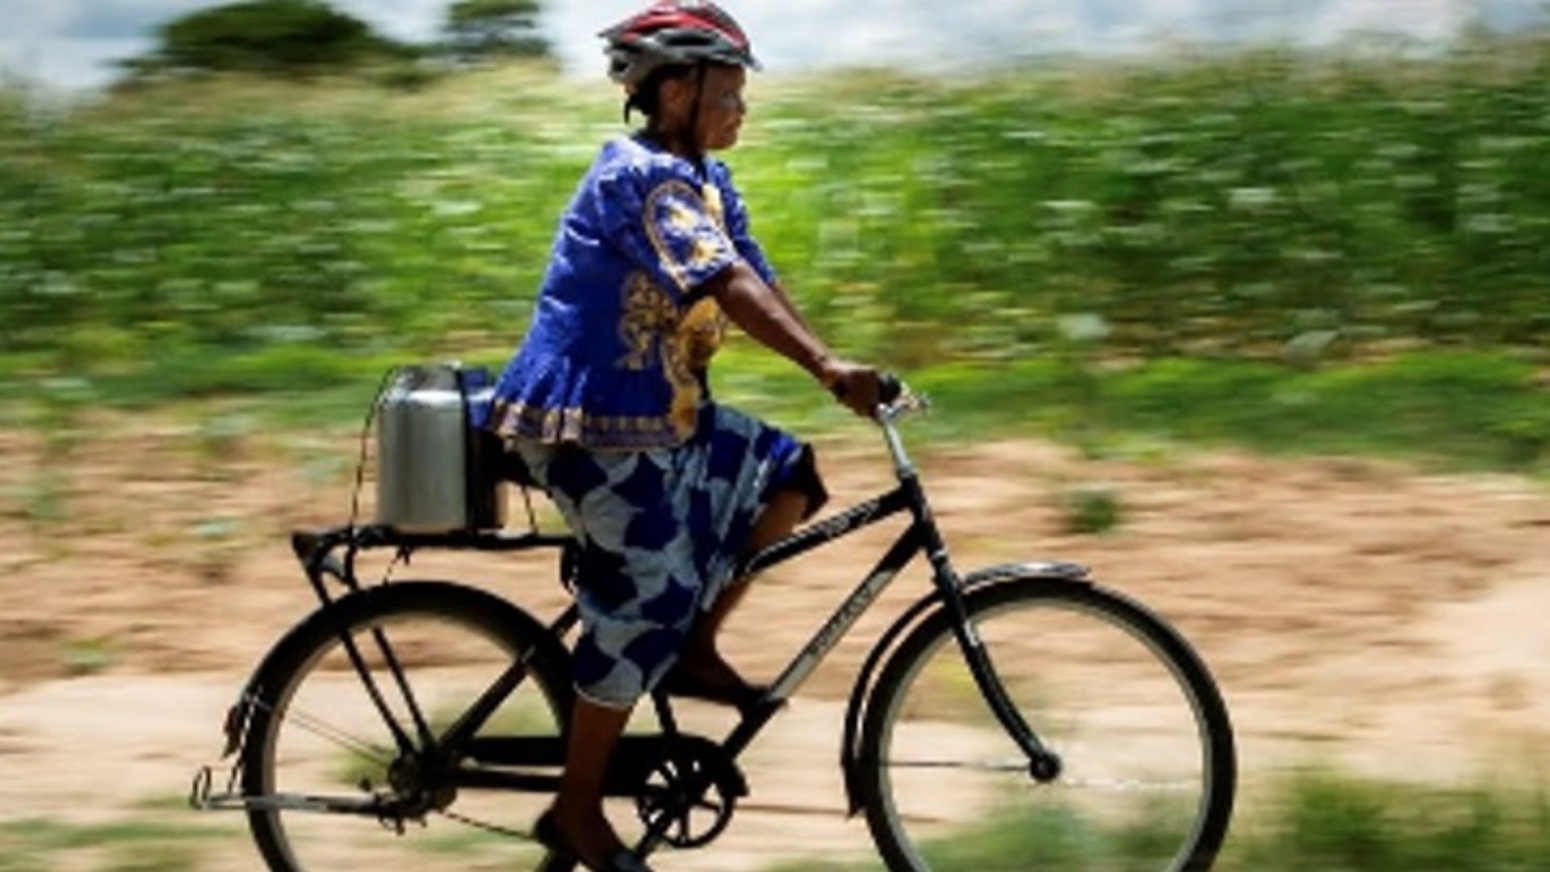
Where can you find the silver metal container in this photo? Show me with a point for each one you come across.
(435, 470)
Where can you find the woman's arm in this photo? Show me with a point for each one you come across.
(785, 302)
(767, 314)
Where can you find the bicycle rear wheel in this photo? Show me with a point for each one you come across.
(1148, 765)
(336, 790)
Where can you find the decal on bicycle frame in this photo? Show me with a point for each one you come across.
(849, 611)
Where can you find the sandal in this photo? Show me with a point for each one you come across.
(547, 832)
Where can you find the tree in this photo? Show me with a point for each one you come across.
(266, 36)
(478, 29)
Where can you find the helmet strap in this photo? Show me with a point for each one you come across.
(685, 140)
(695, 155)
(688, 138)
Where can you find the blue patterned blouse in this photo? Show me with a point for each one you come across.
(621, 336)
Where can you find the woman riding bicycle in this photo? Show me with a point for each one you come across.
(608, 404)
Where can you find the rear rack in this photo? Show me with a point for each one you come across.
(319, 550)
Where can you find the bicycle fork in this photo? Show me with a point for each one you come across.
(1043, 763)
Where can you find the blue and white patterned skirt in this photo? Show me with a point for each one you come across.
(661, 533)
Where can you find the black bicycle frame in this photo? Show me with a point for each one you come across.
(922, 535)
(316, 552)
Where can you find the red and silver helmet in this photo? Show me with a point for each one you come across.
(673, 32)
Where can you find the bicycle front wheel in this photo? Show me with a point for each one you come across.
(331, 781)
(1146, 749)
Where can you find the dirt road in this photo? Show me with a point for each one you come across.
(1357, 614)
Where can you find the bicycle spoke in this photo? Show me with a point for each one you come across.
(322, 729)
(1020, 767)
(1131, 785)
(1136, 787)
(319, 733)
(985, 765)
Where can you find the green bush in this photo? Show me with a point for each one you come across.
(267, 36)
(1333, 823)
(1198, 223)
(1091, 508)
(1337, 823)
(1265, 205)
(480, 29)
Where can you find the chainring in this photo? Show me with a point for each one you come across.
(690, 791)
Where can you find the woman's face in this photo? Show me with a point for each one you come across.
(721, 107)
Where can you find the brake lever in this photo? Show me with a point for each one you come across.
(907, 403)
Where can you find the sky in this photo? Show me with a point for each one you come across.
(71, 43)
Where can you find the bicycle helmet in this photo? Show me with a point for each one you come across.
(674, 33)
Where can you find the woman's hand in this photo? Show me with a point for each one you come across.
(854, 385)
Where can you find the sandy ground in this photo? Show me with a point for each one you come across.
(1357, 614)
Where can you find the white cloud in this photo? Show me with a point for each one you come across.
(1420, 19)
(33, 19)
(64, 40)
(399, 19)
(120, 19)
(82, 63)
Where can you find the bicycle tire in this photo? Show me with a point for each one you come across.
(450, 640)
(984, 812)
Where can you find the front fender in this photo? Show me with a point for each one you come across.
(1044, 570)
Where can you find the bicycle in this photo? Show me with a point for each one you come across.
(1022, 699)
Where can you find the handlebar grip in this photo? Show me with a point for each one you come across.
(889, 387)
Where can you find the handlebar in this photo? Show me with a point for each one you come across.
(889, 388)
(894, 399)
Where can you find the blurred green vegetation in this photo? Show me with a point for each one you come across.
(1447, 409)
(1335, 251)
(285, 37)
(1317, 820)
(142, 843)
(1339, 823)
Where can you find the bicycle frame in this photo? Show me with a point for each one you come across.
(922, 535)
(316, 551)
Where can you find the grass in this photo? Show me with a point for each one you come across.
(1446, 410)
(221, 235)
(1091, 508)
(1321, 820)
(1454, 410)
(471, 842)
(139, 844)
(1334, 823)
(88, 655)
(1458, 410)
(1314, 820)
(1227, 249)
(527, 715)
